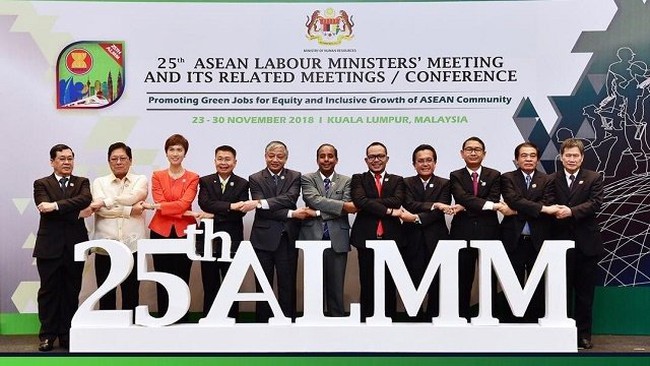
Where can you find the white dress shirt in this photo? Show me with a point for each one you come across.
(114, 221)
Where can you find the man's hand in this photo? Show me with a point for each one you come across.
(237, 206)
(137, 209)
(563, 212)
(249, 205)
(45, 207)
(349, 207)
(407, 216)
(96, 205)
(86, 212)
(303, 213)
(551, 210)
(504, 209)
(454, 209)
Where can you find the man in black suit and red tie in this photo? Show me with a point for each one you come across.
(378, 196)
(527, 191)
(274, 193)
(423, 216)
(579, 192)
(222, 195)
(60, 198)
(477, 191)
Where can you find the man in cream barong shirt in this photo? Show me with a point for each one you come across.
(118, 206)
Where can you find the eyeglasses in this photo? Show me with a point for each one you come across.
(116, 159)
(470, 150)
(376, 157)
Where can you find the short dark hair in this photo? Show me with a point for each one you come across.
(120, 145)
(177, 139)
(425, 147)
(228, 148)
(572, 142)
(336, 153)
(525, 144)
(273, 144)
(376, 143)
(57, 148)
(474, 138)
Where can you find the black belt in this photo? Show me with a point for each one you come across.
(526, 237)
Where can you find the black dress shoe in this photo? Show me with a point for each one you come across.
(46, 345)
(64, 343)
(584, 343)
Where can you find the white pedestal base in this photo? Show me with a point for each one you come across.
(264, 338)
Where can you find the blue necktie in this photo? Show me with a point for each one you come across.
(63, 182)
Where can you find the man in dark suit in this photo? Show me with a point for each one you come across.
(222, 195)
(427, 197)
(378, 196)
(476, 191)
(274, 192)
(527, 191)
(60, 198)
(579, 192)
(328, 193)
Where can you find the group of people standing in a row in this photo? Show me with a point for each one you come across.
(411, 211)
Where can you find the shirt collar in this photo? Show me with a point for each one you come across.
(478, 171)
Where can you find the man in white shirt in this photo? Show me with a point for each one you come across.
(118, 206)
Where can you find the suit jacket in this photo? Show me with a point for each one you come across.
(61, 229)
(331, 209)
(528, 203)
(174, 200)
(372, 208)
(474, 222)
(419, 201)
(585, 200)
(212, 200)
(269, 225)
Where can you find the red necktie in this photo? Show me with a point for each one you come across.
(380, 227)
(475, 182)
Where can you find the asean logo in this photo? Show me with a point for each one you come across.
(329, 28)
(90, 74)
(79, 61)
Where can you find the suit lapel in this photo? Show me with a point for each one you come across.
(55, 188)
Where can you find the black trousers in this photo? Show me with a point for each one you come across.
(366, 258)
(581, 285)
(176, 264)
(522, 259)
(58, 296)
(130, 287)
(416, 258)
(284, 262)
(212, 274)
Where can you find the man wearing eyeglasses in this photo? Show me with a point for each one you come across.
(60, 198)
(378, 196)
(118, 206)
(476, 192)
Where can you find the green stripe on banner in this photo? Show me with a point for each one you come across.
(622, 310)
(616, 311)
(266, 360)
(15, 324)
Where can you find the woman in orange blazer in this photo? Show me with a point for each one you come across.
(173, 191)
